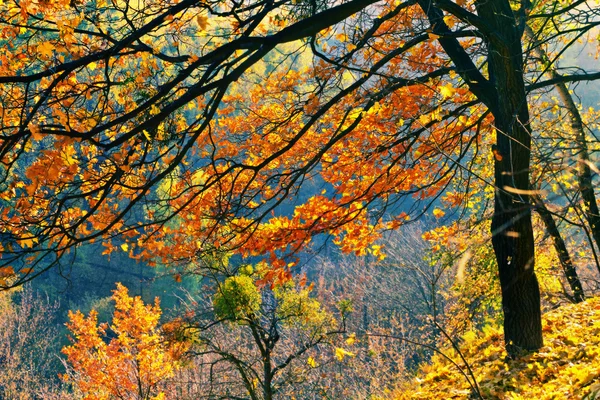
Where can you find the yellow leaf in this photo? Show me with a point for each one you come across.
(311, 362)
(125, 246)
(26, 243)
(424, 119)
(341, 353)
(446, 91)
(438, 213)
(449, 20)
(45, 49)
(69, 152)
(355, 113)
(351, 339)
(375, 109)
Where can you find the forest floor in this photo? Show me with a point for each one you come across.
(567, 367)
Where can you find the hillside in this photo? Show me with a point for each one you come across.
(567, 367)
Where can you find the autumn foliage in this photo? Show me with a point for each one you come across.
(176, 131)
(128, 359)
(565, 368)
(149, 129)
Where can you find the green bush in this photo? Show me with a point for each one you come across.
(237, 298)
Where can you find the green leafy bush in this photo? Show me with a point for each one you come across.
(237, 298)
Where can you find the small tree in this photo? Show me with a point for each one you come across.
(254, 340)
(128, 360)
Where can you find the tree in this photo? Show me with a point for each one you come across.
(402, 305)
(257, 342)
(208, 117)
(132, 360)
(577, 130)
(561, 250)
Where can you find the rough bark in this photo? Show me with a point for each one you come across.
(564, 258)
(512, 232)
(504, 94)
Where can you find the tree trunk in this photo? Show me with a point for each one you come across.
(504, 94)
(512, 232)
(561, 250)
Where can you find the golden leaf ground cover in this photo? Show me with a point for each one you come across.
(567, 367)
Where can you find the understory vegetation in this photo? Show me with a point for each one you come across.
(566, 367)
